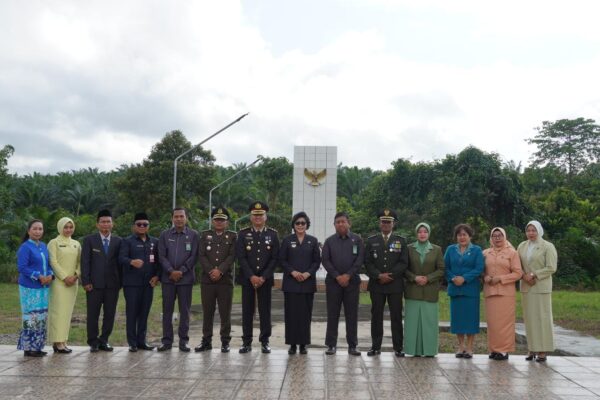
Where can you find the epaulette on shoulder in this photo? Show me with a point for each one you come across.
(372, 236)
(271, 229)
(205, 231)
(234, 232)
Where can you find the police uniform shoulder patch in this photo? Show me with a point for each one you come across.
(372, 237)
(271, 229)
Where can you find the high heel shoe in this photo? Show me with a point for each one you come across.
(530, 357)
(64, 350)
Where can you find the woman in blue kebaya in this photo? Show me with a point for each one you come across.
(35, 276)
(464, 265)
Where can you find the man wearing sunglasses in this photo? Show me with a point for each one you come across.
(138, 258)
(386, 259)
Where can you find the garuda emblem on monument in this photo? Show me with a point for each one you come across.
(315, 178)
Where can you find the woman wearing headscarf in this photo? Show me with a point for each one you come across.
(35, 276)
(421, 312)
(539, 261)
(464, 266)
(300, 258)
(502, 270)
(65, 256)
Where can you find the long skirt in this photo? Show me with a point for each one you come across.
(539, 323)
(500, 314)
(34, 307)
(60, 310)
(298, 316)
(421, 327)
(464, 315)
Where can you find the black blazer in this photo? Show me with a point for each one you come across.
(305, 257)
(133, 248)
(97, 268)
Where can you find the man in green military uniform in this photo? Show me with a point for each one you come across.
(216, 254)
(386, 259)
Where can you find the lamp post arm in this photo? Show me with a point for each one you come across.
(192, 148)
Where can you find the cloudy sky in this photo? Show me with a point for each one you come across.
(97, 83)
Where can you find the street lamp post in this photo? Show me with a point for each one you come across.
(225, 181)
(235, 230)
(193, 147)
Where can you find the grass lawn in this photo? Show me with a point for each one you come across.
(574, 310)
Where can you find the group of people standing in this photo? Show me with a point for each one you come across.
(49, 276)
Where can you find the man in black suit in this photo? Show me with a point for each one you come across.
(386, 259)
(139, 260)
(101, 279)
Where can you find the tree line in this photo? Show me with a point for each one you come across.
(560, 188)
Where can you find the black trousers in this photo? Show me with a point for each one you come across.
(298, 315)
(336, 296)
(104, 300)
(183, 295)
(249, 296)
(394, 301)
(211, 296)
(138, 301)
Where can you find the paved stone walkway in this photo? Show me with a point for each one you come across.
(213, 375)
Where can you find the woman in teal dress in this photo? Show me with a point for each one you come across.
(464, 265)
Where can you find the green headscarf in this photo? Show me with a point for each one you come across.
(423, 247)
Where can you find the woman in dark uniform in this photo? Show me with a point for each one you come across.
(300, 258)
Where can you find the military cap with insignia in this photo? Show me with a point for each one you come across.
(258, 208)
(387, 214)
(220, 213)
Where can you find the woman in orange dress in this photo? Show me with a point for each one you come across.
(502, 270)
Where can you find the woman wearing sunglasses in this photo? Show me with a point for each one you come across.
(300, 258)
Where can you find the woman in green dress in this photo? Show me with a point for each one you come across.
(424, 273)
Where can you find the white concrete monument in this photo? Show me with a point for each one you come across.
(315, 187)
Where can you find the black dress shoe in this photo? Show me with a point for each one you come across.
(225, 348)
(492, 355)
(501, 357)
(184, 347)
(246, 348)
(530, 356)
(292, 350)
(164, 347)
(94, 348)
(331, 350)
(303, 349)
(264, 348)
(399, 353)
(203, 347)
(353, 352)
(373, 352)
(31, 353)
(146, 346)
(105, 347)
(133, 349)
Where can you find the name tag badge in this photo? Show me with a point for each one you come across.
(354, 249)
(188, 247)
(152, 258)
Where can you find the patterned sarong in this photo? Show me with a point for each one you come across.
(34, 307)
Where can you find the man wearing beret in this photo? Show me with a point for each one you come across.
(178, 253)
(139, 260)
(256, 250)
(217, 253)
(101, 279)
(386, 259)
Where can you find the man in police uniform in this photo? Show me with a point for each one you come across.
(138, 257)
(217, 253)
(256, 250)
(386, 259)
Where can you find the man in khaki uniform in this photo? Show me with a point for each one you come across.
(216, 254)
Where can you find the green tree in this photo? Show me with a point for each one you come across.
(148, 185)
(568, 143)
(5, 180)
